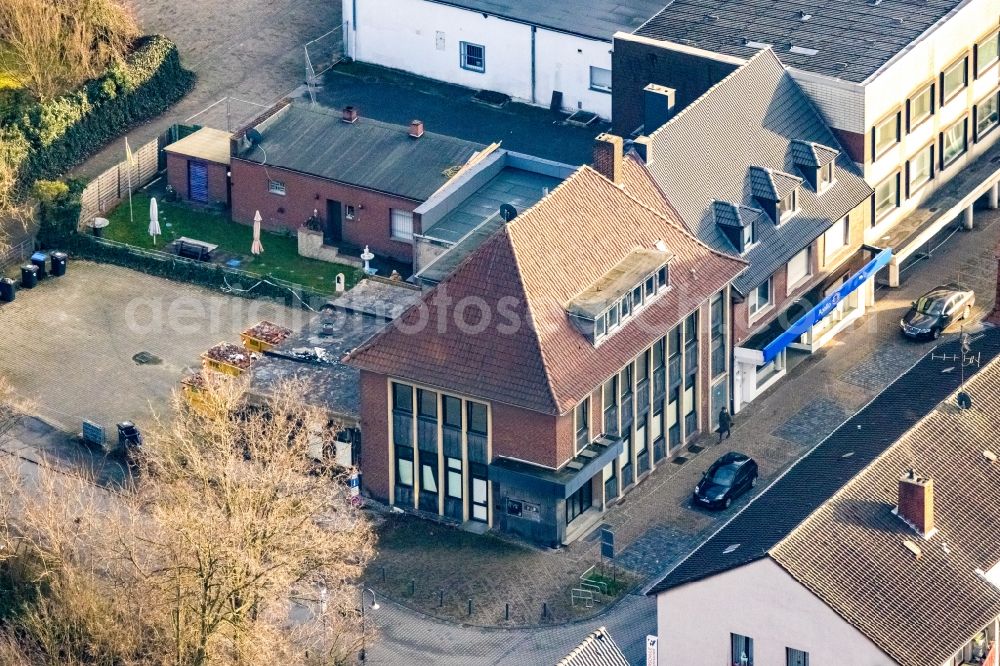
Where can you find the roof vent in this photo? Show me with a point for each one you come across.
(990, 456)
(913, 548)
(731, 549)
(874, 3)
(804, 16)
(711, 17)
(802, 50)
(755, 44)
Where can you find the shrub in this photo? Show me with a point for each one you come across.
(51, 137)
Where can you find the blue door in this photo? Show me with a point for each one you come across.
(198, 181)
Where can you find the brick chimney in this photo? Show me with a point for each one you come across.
(416, 128)
(608, 150)
(994, 317)
(350, 115)
(916, 502)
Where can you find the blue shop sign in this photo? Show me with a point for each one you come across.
(826, 306)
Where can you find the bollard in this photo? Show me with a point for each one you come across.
(412, 588)
(383, 574)
(440, 598)
(545, 610)
(470, 606)
(506, 611)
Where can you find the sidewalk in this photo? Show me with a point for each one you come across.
(655, 524)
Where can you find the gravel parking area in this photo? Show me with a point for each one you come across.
(69, 344)
(247, 49)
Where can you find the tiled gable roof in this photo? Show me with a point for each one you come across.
(750, 119)
(812, 154)
(538, 263)
(597, 649)
(770, 184)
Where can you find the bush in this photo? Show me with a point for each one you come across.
(51, 137)
(59, 210)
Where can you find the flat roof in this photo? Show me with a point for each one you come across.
(520, 188)
(207, 144)
(600, 19)
(846, 39)
(366, 153)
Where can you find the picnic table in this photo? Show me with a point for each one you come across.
(194, 249)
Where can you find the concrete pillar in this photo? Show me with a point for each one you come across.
(995, 196)
(967, 222)
(894, 273)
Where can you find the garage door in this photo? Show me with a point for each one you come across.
(198, 181)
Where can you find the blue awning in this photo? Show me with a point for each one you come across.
(826, 306)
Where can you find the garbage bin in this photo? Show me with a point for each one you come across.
(58, 264)
(7, 290)
(40, 259)
(29, 276)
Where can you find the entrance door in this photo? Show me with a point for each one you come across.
(479, 509)
(198, 181)
(333, 232)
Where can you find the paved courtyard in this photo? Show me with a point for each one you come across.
(68, 344)
(247, 49)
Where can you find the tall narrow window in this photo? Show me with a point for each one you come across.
(611, 406)
(836, 238)
(799, 269)
(718, 308)
(455, 478)
(760, 298)
(582, 424)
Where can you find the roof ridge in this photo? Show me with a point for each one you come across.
(331, 112)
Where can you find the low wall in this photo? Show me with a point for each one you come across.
(311, 246)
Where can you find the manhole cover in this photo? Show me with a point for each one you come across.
(145, 358)
(694, 448)
(679, 460)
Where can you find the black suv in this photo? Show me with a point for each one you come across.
(729, 477)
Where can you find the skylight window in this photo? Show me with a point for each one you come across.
(756, 45)
(802, 50)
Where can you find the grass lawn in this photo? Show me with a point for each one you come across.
(7, 79)
(280, 259)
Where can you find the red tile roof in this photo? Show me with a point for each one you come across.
(528, 353)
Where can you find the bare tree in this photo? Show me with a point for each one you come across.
(216, 556)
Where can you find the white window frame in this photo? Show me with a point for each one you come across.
(887, 127)
(895, 203)
(399, 219)
(349, 211)
(841, 231)
(754, 306)
(276, 187)
(464, 57)
(993, 97)
(960, 64)
(600, 86)
(981, 66)
(928, 153)
(794, 281)
(913, 121)
(789, 212)
(826, 176)
(962, 125)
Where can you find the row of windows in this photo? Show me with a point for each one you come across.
(798, 269)
(641, 295)
(451, 408)
(741, 652)
(922, 167)
(473, 58)
(921, 105)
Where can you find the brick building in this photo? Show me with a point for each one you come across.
(556, 366)
(198, 166)
(754, 170)
(359, 179)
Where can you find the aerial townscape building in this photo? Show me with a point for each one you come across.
(659, 332)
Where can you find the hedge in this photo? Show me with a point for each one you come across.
(51, 137)
(214, 276)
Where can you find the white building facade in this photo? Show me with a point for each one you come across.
(530, 63)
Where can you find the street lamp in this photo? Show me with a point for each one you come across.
(362, 655)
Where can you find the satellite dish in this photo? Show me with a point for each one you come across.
(507, 212)
(255, 138)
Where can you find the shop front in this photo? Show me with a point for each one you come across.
(840, 301)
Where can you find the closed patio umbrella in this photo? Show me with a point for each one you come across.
(256, 248)
(154, 219)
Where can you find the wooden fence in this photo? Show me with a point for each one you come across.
(104, 192)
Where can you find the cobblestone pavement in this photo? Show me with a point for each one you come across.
(68, 344)
(655, 523)
(247, 49)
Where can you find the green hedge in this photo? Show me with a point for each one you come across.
(210, 275)
(51, 137)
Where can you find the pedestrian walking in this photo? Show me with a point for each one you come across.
(725, 423)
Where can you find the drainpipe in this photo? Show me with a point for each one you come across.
(533, 31)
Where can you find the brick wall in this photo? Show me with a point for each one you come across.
(371, 224)
(375, 435)
(218, 180)
(543, 439)
(635, 64)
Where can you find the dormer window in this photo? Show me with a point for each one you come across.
(737, 223)
(825, 177)
(749, 236)
(625, 290)
(788, 206)
(816, 162)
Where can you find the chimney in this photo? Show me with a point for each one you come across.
(641, 146)
(416, 128)
(916, 503)
(994, 317)
(659, 104)
(608, 156)
(350, 115)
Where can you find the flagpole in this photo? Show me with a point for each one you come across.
(128, 163)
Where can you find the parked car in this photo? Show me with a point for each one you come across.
(935, 310)
(729, 477)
